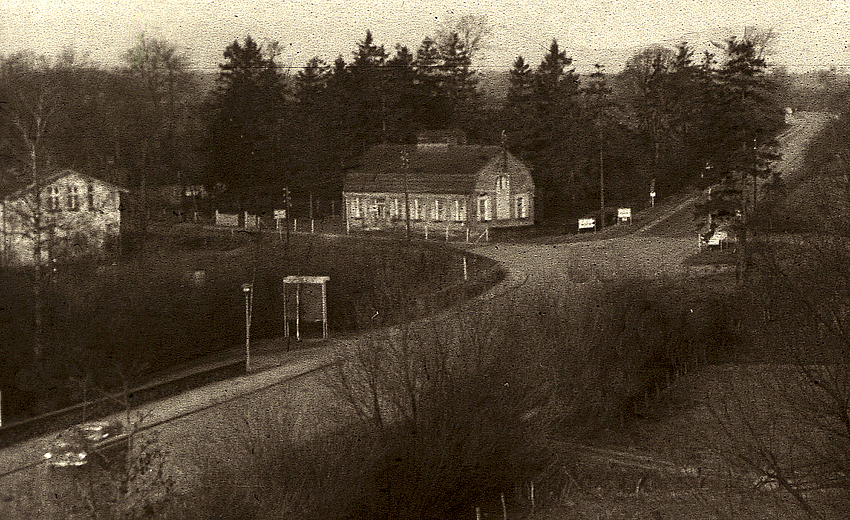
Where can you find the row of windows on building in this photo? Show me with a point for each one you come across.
(441, 210)
(72, 198)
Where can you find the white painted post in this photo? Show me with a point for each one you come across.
(216, 217)
(504, 508)
(295, 224)
(298, 312)
(312, 226)
(477, 513)
(426, 231)
(465, 276)
(285, 316)
(324, 312)
(486, 234)
(467, 235)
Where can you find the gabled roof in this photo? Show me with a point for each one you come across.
(433, 169)
(19, 190)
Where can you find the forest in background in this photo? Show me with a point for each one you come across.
(668, 116)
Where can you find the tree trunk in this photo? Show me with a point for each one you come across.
(37, 343)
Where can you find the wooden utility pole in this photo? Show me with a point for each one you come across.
(601, 183)
(405, 163)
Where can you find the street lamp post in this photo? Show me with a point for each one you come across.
(405, 163)
(248, 290)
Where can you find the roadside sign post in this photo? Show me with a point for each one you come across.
(279, 220)
(624, 215)
(587, 223)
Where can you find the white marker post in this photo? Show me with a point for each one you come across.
(652, 193)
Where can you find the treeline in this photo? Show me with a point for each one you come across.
(667, 116)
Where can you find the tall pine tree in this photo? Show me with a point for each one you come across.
(242, 144)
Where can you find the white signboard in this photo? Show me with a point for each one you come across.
(226, 219)
(279, 214)
(587, 223)
(624, 213)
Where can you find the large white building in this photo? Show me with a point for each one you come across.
(446, 184)
(80, 215)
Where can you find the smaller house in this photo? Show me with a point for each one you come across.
(75, 214)
(440, 184)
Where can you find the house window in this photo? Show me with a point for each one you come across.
(460, 210)
(355, 208)
(521, 207)
(501, 183)
(439, 210)
(416, 210)
(73, 198)
(394, 209)
(484, 208)
(53, 198)
(91, 197)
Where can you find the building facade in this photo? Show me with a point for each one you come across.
(440, 184)
(76, 215)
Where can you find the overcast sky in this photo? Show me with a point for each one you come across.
(813, 33)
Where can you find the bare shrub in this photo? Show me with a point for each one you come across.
(789, 429)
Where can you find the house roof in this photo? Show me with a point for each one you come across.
(17, 189)
(433, 169)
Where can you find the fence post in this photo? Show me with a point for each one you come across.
(312, 226)
(216, 217)
(465, 276)
(295, 224)
(467, 235)
(426, 231)
(487, 234)
(447, 232)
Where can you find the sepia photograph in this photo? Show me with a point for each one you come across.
(435, 260)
